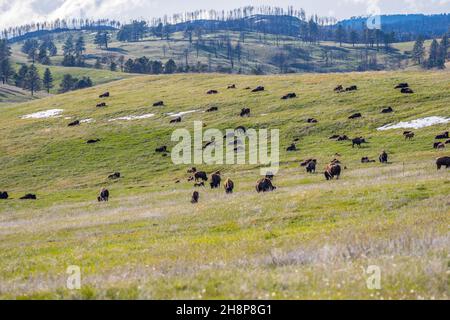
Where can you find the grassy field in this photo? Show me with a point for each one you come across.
(308, 239)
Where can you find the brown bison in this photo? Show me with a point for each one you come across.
(200, 175)
(104, 195)
(91, 141)
(383, 157)
(104, 95)
(195, 197)
(444, 161)
(442, 136)
(289, 96)
(212, 109)
(245, 112)
(29, 196)
(409, 135)
(387, 110)
(355, 116)
(358, 142)
(333, 170)
(228, 185)
(115, 175)
(212, 92)
(258, 89)
(215, 180)
(264, 185)
(158, 104)
(4, 195)
(74, 123)
(438, 145)
(102, 104)
(176, 120)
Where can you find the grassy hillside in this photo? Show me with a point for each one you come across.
(308, 239)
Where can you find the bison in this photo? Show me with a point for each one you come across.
(292, 147)
(264, 185)
(102, 104)
(406, 91)
(366, 160)
(228, 185)
(215, 180)
(29, 196)
(339, 88)
(200, 175)
(443, 161)
(161, 149)
(438, 145)
(289, 96)
(158, 104)
(351, 88)
(74, 123)
(212, 109)
(311, 166)
(232, 86)
(195, 197)
(312, 120)
(176, 120)
(358, 142)
(442, 136)
(104, 95)
(355, 116)
(4, 195)
(104, 195)
(91, 141)
(258, 89)
(115, 175)
(409, 135)
(245, 112)
(383, 157)
(402, 86)
(333, 170)
(387, 110)
(212, 92)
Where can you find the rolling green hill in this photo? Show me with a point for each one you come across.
(310, 238)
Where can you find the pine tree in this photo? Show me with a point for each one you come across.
(48, 80)
(170, 67)
(5, 65)
(353, 37)
(20, 77)
(43, 57)
(433, 60)
(102, 39)
(418, 50)
(33, 80)
(340, 34)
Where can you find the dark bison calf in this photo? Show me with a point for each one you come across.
(104, 95)
(245, 112)
(195, 197)
(289, 96)
(258, 89)
(264, 185)
(355, 116)
(228, 185)
(444, 161)
(29, 196)
(442, 136)
(4, 195)
(215, 181)
(74, 123)
(158, 104)
(387, 110)
(104, 195)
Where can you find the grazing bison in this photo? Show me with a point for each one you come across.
(444, 161)
(232, 86)
(200, 175)
(402, 86)
(104, 95)
(442, 136)
(355, 116)
(311, 166)
(192, 170)
(176, 120)
(215, 180)
(406, 91)
(383, 157)
(101, 104)
(195, 197)
(289, 96)
(387, 110)
(358, 142)
(409, 135)
(158, 104)
(258, 89)
(115, 175)
(74, 123)
(438, 145)
(343, 138)
(245, 112)
(339, 88)
(4, 195)
(104, 195)
(228, 185)
(447, 142)
(212, 109)
(366, 160)
(212, 92)
(333, 170)
(264, 185)
(161, 149)
(91, 141)
(312, 120)
(29, 196)
(351, 88)
(292, 147)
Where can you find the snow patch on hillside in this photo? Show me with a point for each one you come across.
(415, 124)
(52, 113)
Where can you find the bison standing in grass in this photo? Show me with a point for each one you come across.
(228, 185)
(4, 195)
(104, 195)
(200, 175)
(383, 157)
(195, 197)
(333, 170)
(264, 185)
(215, 180)
(443, 161)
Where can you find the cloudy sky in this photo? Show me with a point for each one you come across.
(14, 12)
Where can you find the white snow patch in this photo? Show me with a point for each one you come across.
(87, 120)
(129, 118)
(416, 124)
(179, 114)
(53, 113)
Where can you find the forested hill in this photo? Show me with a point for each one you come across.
(407, 27)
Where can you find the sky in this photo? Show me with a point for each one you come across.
(18, 12)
